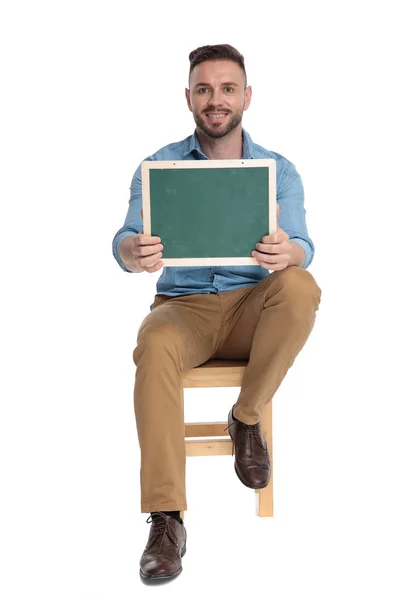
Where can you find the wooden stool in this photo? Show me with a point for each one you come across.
(224, 373)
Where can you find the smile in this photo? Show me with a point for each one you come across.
(216, 116)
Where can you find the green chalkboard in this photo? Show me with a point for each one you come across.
(209, 212)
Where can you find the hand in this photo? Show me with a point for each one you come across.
(274, 250)
(141, 253)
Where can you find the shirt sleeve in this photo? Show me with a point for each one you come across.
(133, 221)
(292, 214)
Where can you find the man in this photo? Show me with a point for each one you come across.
(199, 313)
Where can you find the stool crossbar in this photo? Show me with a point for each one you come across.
(215, 440)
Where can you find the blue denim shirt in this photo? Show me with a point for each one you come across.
(175, 281)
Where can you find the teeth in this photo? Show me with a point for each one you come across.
(216, 115)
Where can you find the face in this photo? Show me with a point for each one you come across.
(217, 96)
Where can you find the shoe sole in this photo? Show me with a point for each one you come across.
(261, 487)
(159, 578)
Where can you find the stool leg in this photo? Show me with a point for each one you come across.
(182, 514)
(264, 497)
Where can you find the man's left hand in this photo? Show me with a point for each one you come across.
(274, 250)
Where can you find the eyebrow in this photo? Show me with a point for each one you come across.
(224, 83)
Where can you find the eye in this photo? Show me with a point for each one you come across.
(229, 89)
(203, 90)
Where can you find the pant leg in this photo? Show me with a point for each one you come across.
(180, 333)
(269, 324)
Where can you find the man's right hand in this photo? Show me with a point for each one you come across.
(141, 253)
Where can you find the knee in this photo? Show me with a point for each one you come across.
(157, 340)
(299, 287)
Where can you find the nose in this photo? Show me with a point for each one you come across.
(216, 98)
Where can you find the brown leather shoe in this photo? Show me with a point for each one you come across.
(166, 545)
(252, 459)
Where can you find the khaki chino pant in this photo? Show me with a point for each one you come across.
(267, 324)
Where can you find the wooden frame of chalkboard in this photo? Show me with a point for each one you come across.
(218, 225)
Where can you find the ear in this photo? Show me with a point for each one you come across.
(187, 94)
(247, 97)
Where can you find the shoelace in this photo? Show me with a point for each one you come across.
(252, 430)
(161, 527)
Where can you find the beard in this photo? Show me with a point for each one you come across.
(218, 130)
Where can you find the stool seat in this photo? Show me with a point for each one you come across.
(212, 439)
(216, 373)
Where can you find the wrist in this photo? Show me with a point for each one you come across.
(297, 255)
(125, 250)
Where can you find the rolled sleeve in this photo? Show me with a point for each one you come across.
(133, 221)
(292, 214)
(119, 236)
(308, 248)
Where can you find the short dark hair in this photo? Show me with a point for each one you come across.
(217, 52)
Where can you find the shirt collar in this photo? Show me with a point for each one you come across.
(193, 145)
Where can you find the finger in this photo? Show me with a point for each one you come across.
(278, 208)
(155, 267)
(278, 237)
(147, 240)
(271, 248)
(272, 238)
(270, 259)
(149, 261)
(149, 250)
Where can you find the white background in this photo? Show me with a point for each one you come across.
(89, 90)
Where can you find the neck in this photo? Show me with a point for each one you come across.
(228, 147)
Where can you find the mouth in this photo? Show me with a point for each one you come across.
(216, 116)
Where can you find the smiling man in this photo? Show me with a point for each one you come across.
(200, 313)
